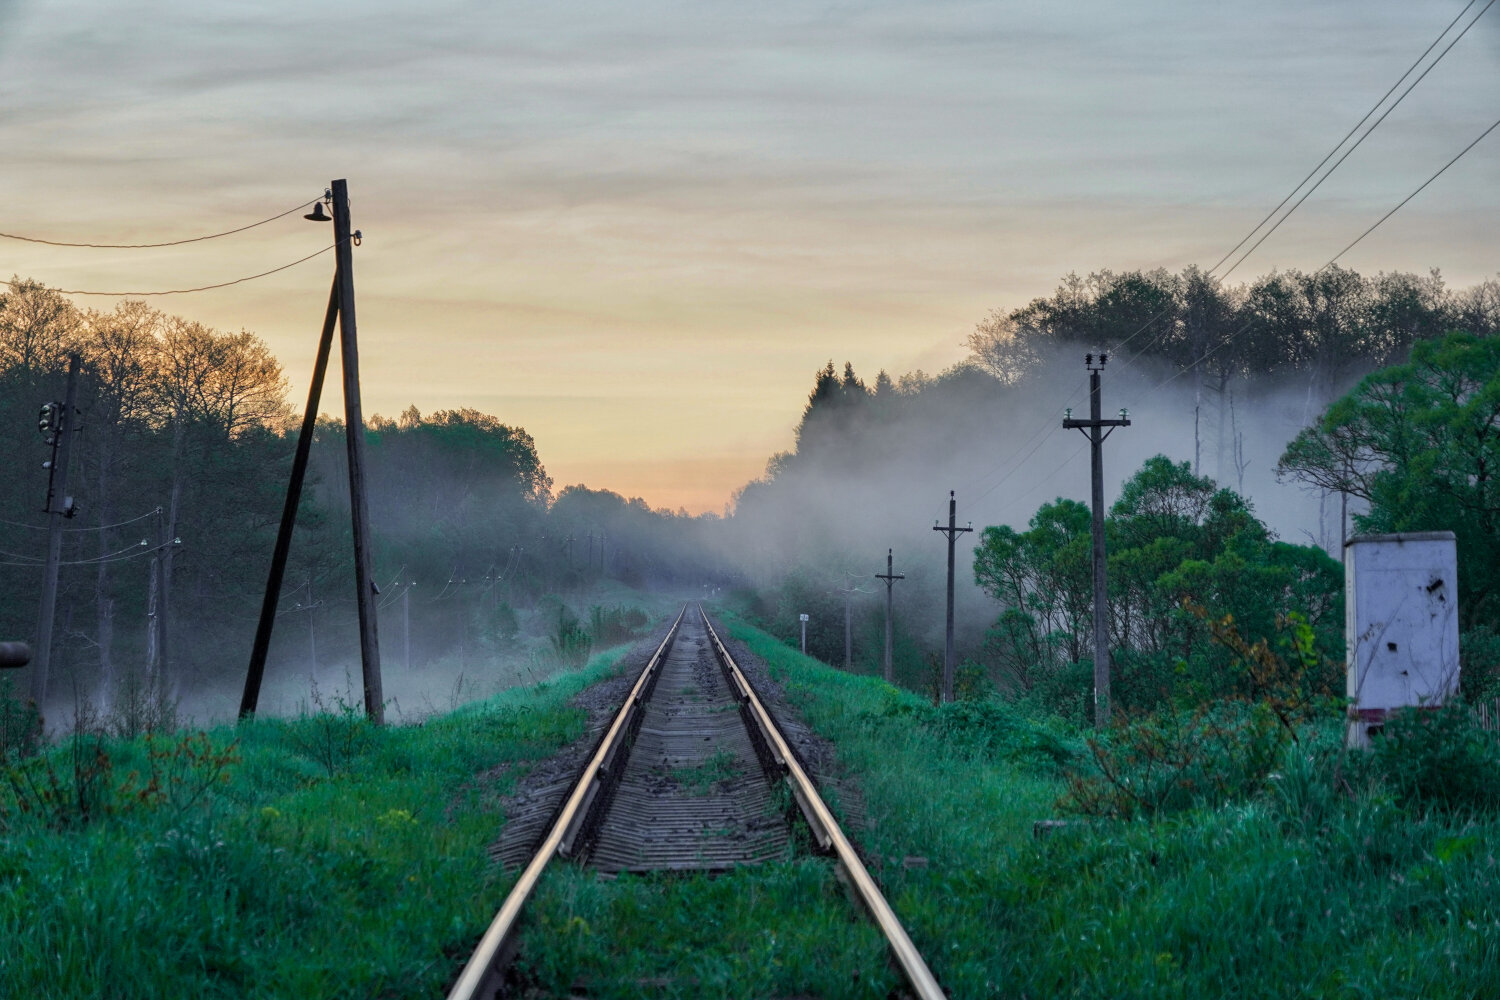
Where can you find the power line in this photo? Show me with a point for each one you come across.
(149, 246)
(101, 527)
(1409, 197)
(129, 552)
(1045, 431)
(1337, 146)
(185, 291)
(1329, 172)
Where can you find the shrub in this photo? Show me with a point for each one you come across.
(570, 640)
(1174, 759)
(612, 626)
(178, 772)
(20, 724)
(1437, 757)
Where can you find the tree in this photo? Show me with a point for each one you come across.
(1175, 540)
(1420, 443)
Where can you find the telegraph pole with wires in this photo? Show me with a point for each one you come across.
(59, 421)
(952, 531)
(890, 577)
(1096, 429)
(341, 311)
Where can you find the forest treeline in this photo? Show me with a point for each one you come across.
(1213, 362)
(187, 435)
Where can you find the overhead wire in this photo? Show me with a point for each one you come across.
(101, 527)
(1044, 432)
(186, 291)
(1361, 139)
(1329, 263)
(1337, 146)
(168, 243)
(135, 551)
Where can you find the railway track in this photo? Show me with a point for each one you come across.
(686, 777)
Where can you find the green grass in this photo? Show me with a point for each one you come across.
(338, 860)
(335, 860)
(1309, 888)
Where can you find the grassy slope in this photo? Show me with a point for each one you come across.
(343, 862)
(1301, 893)
(336, 860)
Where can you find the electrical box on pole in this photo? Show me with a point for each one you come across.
(58, 421)
(1401, 625)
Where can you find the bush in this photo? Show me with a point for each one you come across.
(1437, 757)
(612, 626)
(570, 640)
(20, 724)
(1175, 759)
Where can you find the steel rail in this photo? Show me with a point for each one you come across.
(484, 965)
(826, 829)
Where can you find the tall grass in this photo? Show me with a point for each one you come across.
(323, 857)
(342, 860)
(1329, 881)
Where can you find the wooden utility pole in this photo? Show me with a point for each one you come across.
(157, 663)
(59, 507)
(890, 579)
(253, 676)
(849, 590)
(1095, 430)
(354, 425)
(340, 307)
(952, 531)
(312, 632)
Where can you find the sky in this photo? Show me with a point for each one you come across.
(637, 230)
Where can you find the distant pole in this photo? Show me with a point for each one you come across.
(312, 632)
(250, 698)
(164, 676)
(952, 531)
(1094, 430)
(59, 506)
(354, 425)
(804, 634)
(848, 631)
(406, 623)
(890, 579)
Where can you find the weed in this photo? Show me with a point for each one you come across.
(335, 736)
(570, 640)
(1438, 757)
(20, 724)
(701, 779)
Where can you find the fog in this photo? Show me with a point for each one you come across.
(880, 478)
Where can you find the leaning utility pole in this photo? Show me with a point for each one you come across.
(890, 579)
(59, 506)
(250, 699)
(340, 307)
(952, 531)
(1094, 430)
(354, 425)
